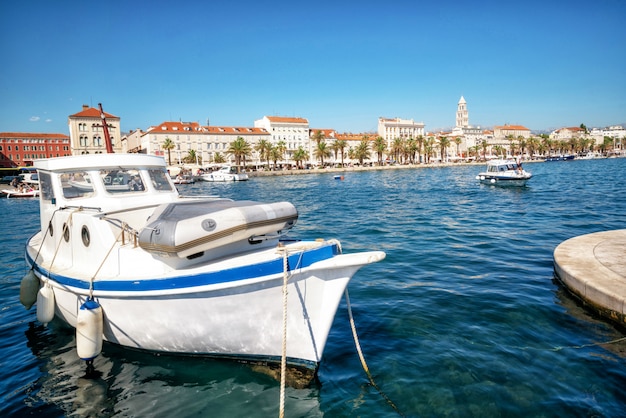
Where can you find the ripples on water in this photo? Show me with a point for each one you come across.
(463, 317)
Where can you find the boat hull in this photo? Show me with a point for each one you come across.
(233, 313)
(503, 181)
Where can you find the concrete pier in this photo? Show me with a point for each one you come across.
(593, 267)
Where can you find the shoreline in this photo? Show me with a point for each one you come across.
(252, 174)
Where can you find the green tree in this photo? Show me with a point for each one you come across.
(192, 157)
(444, 143)
(240, 149)
(263, 148)
(379, 146)
(218, 158)
(362, 151)
(168, 146)
(341, 145)
(322, 151)
(300, 155)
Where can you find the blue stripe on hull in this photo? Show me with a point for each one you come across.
(296, 261)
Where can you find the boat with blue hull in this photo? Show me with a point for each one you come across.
(140, 266)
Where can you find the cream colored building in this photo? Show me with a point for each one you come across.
(390, 129)
(292, 131)
(205, 141)
(87, 134)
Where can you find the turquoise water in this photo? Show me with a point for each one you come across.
(462, 319)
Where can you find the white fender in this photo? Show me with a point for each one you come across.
(45, 304)
(89, 330)
(28, 289)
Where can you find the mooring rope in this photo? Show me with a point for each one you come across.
(102, 264)
(363, 363)
(283, 360)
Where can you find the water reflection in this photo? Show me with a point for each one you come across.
(133, 383)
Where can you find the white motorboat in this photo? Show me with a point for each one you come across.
(226, 173)
(23, 192)
(145, 268)
(504, 173)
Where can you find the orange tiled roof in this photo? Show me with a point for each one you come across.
(512, 128)
(283, 119)
(25, 135)
(92, 112)
(176, 127)
(234, 130)
(349, 136)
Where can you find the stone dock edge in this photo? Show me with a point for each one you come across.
(593, 268)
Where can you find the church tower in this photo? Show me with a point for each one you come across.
(462, 117)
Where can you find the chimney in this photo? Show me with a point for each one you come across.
(85, 107)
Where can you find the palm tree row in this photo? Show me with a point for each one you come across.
(402, 150)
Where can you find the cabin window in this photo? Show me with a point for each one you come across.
(76, 184)
(122, 180)
(160, 180)
(45, 186)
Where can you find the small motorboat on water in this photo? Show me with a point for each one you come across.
(226, 173)
(504, 173)
(24, 192)
(143, 267)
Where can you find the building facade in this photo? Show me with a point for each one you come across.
(293, 132)
(87, 133)
(204, 141)
(21, 149)
(390, 129)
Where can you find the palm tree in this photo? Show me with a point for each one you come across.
(396, 148)
(420, 143)
(192, 157)
(318, 136)
(444, 143)
(322, 151)
(379, 146)
(275, 154)
(281, 148)
(457, 141)
(240, 149)
(411, 148)
(218, 158)
(263, 148)
(168, 145)
(300, 155)
(362, 151)
(341, 145)
(483, 144)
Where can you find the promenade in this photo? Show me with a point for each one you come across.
(593, 267)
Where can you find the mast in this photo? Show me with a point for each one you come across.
(105, 127)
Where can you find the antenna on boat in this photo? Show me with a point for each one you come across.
(105, 128)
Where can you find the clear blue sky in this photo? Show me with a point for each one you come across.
(340, 64)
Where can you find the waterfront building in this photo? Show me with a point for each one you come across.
(292, 132)
(565, 134)
(87, 134)
(205, 141)
(515, 131)
(131, 142)
(20, 149)
(462, 114)
(391, 128)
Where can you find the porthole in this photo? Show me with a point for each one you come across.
(66, 232)
(84, 234)
(50, 228)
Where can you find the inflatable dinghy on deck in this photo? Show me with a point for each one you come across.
(189, 228)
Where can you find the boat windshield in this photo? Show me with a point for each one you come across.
(122, 180)
(160, 180)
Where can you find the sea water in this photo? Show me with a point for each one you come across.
(462, 319)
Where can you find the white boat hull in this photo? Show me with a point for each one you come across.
(227, 314)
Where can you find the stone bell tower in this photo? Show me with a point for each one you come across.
(462, 116)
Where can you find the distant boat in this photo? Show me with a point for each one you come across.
(226, 173)
(553, 158)
(13, 193)
(504, 173)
